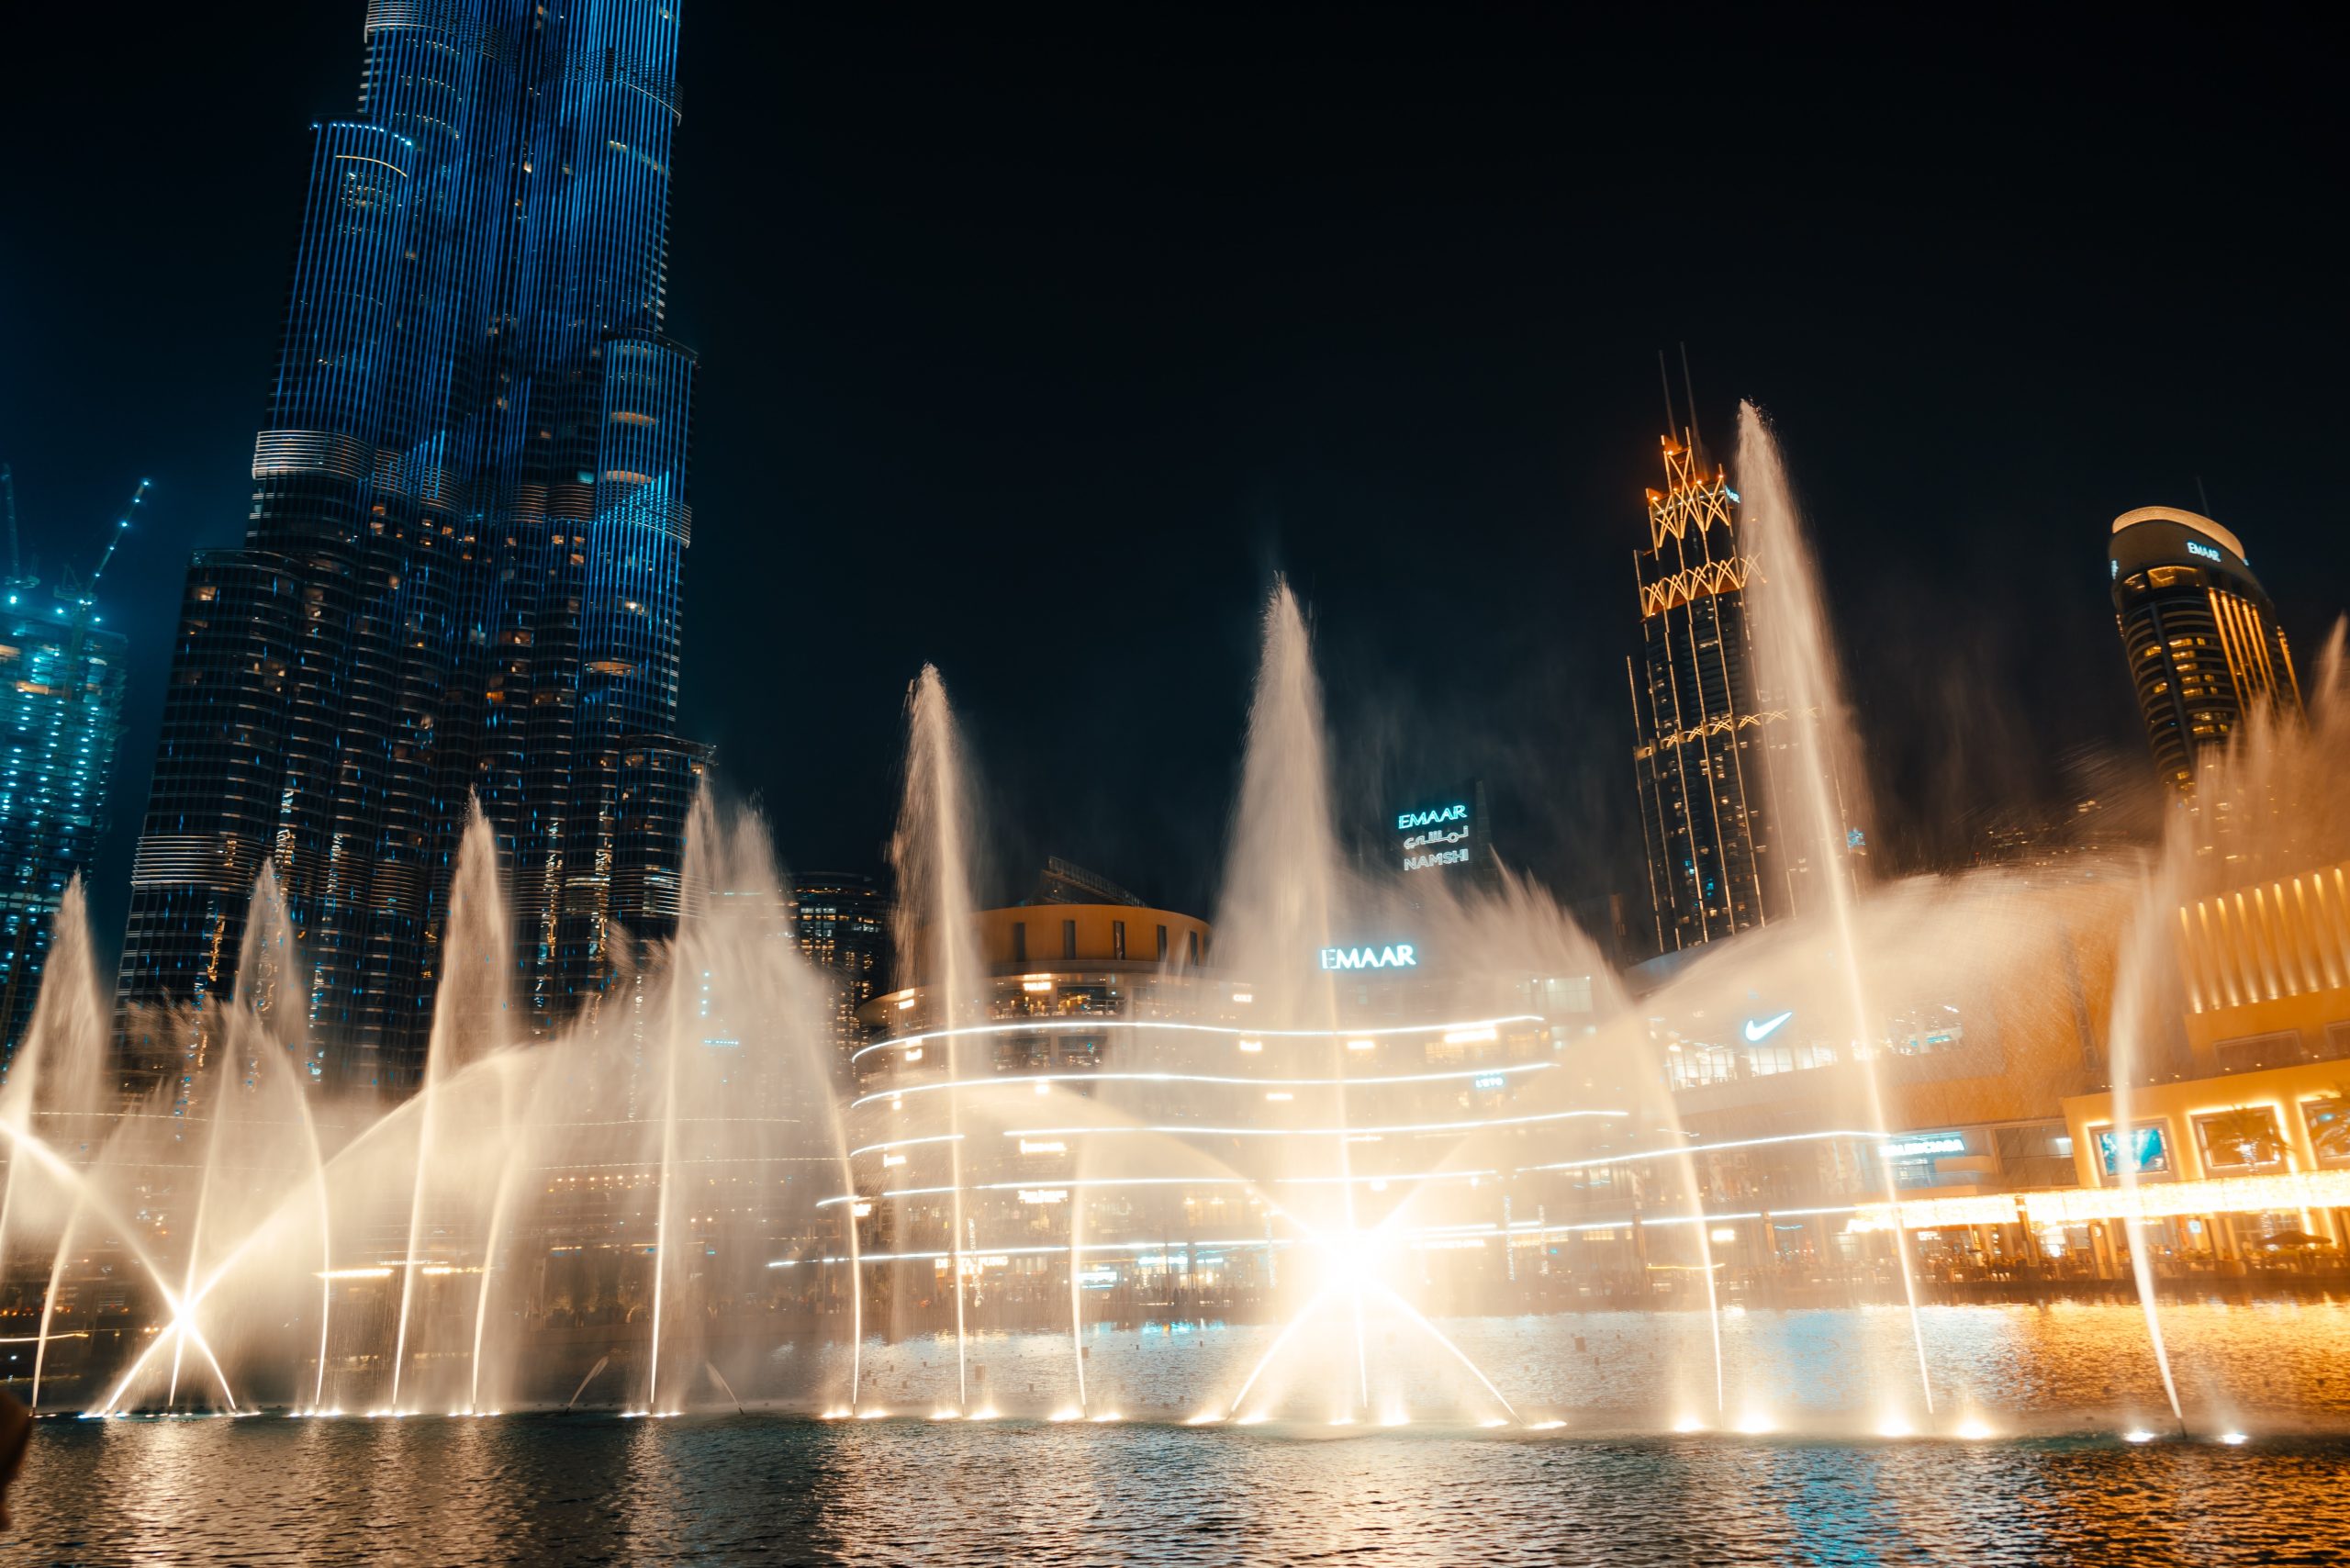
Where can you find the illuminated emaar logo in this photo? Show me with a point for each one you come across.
(1760, 1029)
(2206, 551)
(1397, 956)
(1407, 821)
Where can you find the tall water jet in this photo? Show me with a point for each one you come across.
(2146, 949)
(664, 1191)
(1076, 1298)
(1821, 777)
(270, 996)
(936, 938)
(1281, 898)
(59, 1076)
(468, 1013)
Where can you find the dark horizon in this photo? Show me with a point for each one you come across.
(1037, 357)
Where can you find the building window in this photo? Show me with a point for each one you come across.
(1162, 944)
(1069, 939)
(1019, 941)
(1117, 939)
(1191, 947)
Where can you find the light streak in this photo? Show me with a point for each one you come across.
(1095, 1026)
(1628, 1157)
(905, 1143)
(1001, 1080)
(1377, 1180)
(1316, 1132)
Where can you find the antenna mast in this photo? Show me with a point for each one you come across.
(16, 578)
(1689, 388)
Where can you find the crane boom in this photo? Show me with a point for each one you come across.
(122, 525)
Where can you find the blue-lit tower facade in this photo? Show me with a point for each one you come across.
(61, 727)
(461, 565)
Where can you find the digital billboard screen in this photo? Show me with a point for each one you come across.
(2147, 1150)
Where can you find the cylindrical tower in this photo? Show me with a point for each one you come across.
(2204, 648)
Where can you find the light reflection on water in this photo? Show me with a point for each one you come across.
(2069, 1359)
(728, 1489)
(591, 1488)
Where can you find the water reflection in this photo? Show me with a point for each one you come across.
(2071, 1362)
(595, 1489)
(591, 1487)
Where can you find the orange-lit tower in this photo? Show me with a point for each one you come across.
(2206, 654)
(1703, 736)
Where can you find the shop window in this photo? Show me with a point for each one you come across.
(2244, 1137)
(2328, 1120)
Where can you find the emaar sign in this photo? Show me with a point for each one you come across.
(1442, 832)
(1396, 955)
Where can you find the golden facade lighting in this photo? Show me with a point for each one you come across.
(2287, 937)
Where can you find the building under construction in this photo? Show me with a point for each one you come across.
(61, 724)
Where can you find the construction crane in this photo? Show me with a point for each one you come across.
(122, 526)
(82, 594)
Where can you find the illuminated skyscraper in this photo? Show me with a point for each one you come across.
(60, 723)
(461, 565)
(1703, 739)
(842, 922)
(2202, 636)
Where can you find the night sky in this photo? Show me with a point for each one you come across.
(1036, 346)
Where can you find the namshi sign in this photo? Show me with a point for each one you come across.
(1444, 832)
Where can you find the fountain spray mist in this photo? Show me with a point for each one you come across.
(1795, 666)
(936, 938)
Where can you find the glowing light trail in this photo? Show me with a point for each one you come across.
(1316, 1132)
(1096, 1025)
(1042, 1078)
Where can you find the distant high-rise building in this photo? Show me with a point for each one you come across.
(842, 922)
(460, 572)
(61, 723)
(1703, 738)
(2200, 634)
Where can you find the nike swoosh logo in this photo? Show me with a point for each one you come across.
(1758, 1033)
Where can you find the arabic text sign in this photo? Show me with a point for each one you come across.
(1444, 831)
